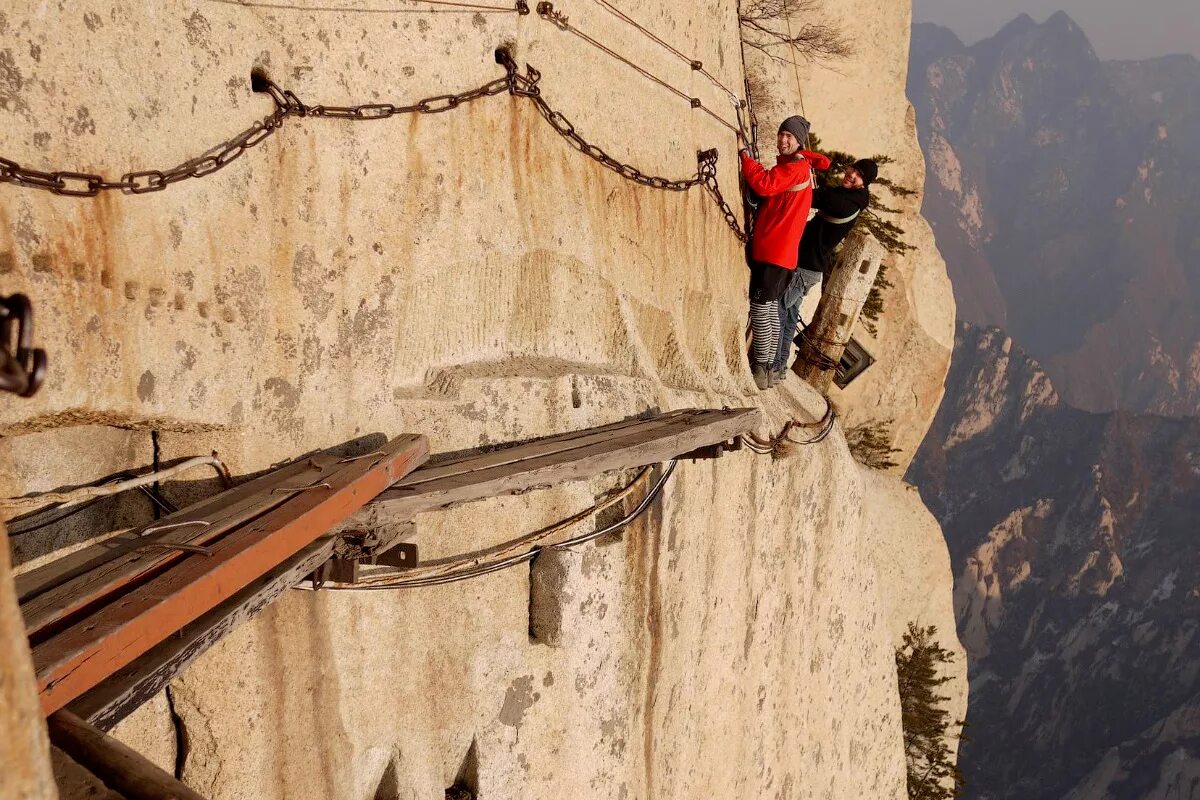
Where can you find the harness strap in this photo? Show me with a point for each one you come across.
(838, 220)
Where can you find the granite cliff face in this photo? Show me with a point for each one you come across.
(1062, 190)
(469, 276)
(858, 106)
(1072, 538)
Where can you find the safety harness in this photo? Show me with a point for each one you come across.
(838, 220)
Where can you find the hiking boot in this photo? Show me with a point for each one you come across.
(762, 376)
(776, 376)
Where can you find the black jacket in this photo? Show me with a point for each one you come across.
(821, 235)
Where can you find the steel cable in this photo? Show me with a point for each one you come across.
(453, 7)
(695, 64)
(504, 563)
(547, 12)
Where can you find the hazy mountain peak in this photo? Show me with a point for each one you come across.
(1021, 25)
(1072, 539)
(1060, 19)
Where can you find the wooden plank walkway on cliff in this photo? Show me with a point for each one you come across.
(112, 625)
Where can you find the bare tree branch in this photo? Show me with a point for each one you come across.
(814, 41)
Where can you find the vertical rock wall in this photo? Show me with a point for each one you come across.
(470, 276)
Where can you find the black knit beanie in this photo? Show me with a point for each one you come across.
(797, 126)
(868, 169)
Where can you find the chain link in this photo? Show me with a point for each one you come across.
(287, 104)
(22, 366)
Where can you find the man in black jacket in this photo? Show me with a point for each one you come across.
(838, 208)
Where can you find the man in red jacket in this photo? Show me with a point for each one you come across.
(786, 189)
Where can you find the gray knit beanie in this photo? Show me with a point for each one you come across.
(797, 126)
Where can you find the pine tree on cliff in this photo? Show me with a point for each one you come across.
(932, 771)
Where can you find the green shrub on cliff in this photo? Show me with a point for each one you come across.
(928, 729)
(871, 444)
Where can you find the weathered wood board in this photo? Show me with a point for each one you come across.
(548, 462)
(462, 478)
(53, 594)
(120, 767)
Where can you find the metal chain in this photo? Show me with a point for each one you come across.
(526, 85)
(22, 366)
(709, 174)
(287, 104)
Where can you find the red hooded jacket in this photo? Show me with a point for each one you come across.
(784, 210)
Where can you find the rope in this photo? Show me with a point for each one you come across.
(460, 568)
(777, 445)
(559, 20)
(26, 505)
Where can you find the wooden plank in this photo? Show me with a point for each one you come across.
(546, 446)
(78, 658)
(632, 447)
(59, 593)
(136, 683)
(122, 769)
(133, 685)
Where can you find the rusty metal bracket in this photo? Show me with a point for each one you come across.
(403, 556)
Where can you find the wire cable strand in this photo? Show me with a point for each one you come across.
(451, 6)
(693, 63)
(547, 12)
(504, 563)
(31, 504)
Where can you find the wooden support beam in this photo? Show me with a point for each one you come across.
(122, 769)
(557, 460)
(842, 300)
(134, 684)
(77, 658)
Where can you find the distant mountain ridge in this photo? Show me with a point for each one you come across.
(1073, 537)
(1064, 191)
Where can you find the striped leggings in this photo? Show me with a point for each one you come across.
(764, 322)
(768, 282)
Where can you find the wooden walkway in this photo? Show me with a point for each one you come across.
(555, 459)
(112, 624)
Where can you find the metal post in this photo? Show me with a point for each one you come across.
(842, 298)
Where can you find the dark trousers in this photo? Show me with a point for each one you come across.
(789, 313)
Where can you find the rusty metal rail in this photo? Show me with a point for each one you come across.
(90, 625)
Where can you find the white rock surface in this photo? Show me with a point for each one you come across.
(471, 277)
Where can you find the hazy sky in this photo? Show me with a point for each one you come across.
(1116, 28)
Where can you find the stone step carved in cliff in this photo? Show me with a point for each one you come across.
(448, 481)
